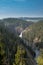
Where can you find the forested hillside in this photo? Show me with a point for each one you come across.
(15, 24)
(34, 34)
(13, 51)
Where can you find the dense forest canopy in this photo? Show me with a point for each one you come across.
(13, 51)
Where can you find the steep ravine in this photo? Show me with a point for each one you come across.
(37, 52)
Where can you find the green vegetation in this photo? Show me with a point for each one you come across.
(15, 24)
(19, 56)
(40, 58)
(12, 49)
(34, 33)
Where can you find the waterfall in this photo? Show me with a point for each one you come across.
(20, 35)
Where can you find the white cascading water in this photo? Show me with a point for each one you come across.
(20, 35)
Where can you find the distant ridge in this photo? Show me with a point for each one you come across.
(31, 18)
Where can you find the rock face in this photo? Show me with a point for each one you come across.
(36, 40)
(34, 33)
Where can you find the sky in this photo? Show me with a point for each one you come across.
(21, 8)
